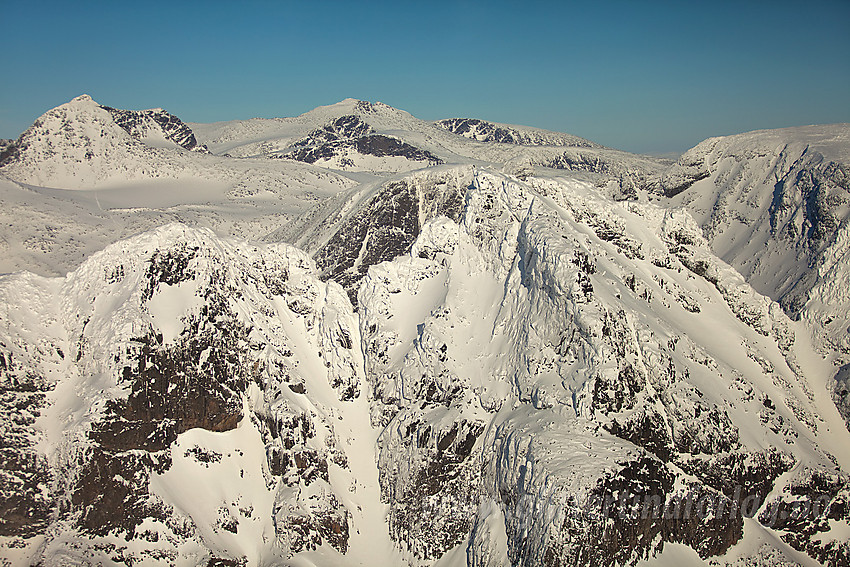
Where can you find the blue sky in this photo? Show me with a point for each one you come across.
(649, 77)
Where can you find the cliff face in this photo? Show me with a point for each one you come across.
(156, 126)
(181, 400)
(543, 366)
(774, 205)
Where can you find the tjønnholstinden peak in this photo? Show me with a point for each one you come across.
(355, 337)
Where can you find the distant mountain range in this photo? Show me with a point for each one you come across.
(354, 337)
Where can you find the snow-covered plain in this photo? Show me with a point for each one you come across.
(523, 325)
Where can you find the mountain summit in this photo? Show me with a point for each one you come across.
(82, 143)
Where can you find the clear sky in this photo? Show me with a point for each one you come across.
(642, 76)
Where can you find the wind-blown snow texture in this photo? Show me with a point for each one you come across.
(493, 345)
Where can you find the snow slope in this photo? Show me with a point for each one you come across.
(447, 141)
(775, 205)
(787, 188)
(85, 175)
(200, 398)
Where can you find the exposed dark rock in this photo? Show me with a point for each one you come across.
(701, 428)
(286, 433)
(206, 456)
(841, 393)
(376, 145)
(350, 133)
(704, 519)
(26, 499)
(111, 492)
(617, 393)
(170, 268)
(306, 533)
(611, 230)
(169, 393)
(631, 514)
(628, 175)
(135, 122)
(803, 510)
(384, 228)
(198, 379)
(223, 562)
(645, 428)
(820, 187)
(9, 152)
(680, 176)
(343, 128)
(432, 507)
(672, 191)
(741, 475)
(488, 132)
(26, 504)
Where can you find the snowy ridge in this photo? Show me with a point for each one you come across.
(191, 358)
(484, 131)
(595, 329)
(775, 205)
(449, 141)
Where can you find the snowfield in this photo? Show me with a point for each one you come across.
(354, 337)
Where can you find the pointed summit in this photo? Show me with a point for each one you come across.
(82, 143)
(83, 98)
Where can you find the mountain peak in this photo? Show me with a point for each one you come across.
(83, 98)
(81, 144)
(356, 107)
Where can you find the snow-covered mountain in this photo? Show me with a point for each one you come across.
(774, 204)
(184, 399)
(85, 175)
(83, 144)
(479, 345)
(355, 135)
